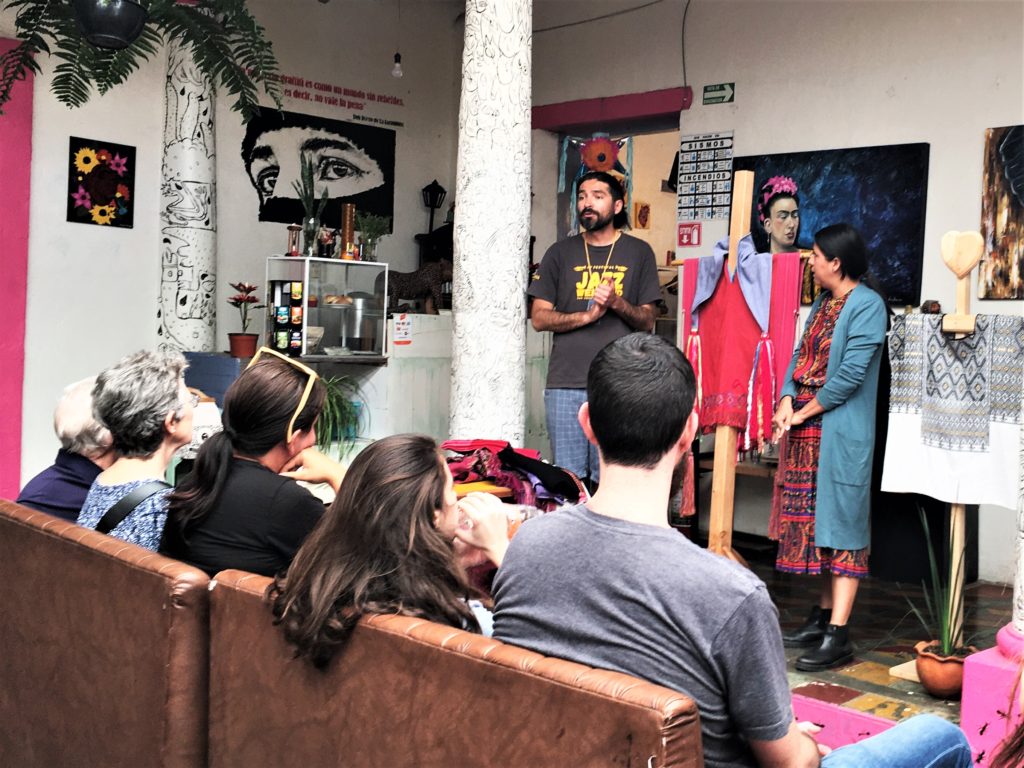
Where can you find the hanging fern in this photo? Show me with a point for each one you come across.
(229, 46)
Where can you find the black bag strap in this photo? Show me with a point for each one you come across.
(124, 507)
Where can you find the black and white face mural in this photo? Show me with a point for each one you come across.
(355, 163)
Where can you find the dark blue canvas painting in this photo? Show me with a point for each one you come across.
(882, 191)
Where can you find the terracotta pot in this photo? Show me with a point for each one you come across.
(243, 344)
(941, 676)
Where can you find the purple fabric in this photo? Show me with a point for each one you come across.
(754, 271)
(60, 489)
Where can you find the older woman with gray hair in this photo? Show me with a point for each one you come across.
(85, 451)
(144, 403)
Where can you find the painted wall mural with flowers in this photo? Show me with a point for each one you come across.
(582, 154)
(101, 183)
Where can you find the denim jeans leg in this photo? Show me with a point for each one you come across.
(925, 741)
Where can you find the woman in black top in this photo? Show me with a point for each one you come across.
(239, 508)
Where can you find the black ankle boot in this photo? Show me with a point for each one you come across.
(812, 631)
(834, 651)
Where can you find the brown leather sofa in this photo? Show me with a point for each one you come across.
(112, 655)
(407, 692)
(103, 649)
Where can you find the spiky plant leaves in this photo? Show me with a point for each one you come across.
(338, 423)
(229, 46)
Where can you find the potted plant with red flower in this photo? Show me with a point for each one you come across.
(244, 344)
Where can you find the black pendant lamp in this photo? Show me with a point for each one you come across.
(112, 24)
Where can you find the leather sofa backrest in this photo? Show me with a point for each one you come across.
(103, 649)
(408, 692)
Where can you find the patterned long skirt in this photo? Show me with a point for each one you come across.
(797, 551)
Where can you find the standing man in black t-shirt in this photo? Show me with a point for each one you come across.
(590, 290)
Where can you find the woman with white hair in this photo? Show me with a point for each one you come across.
(144, 403)
(85, 451)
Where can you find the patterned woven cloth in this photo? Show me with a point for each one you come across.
(955, 410)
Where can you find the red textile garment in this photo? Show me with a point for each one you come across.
(739, 370)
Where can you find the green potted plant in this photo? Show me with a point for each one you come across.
(244, 344)
(338, 424)
(940, 659)
(100, 43)
(313, 209)
(372, 227)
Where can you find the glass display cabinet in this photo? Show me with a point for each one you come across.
(326, 308)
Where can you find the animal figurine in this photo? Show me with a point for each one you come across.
(425, 283)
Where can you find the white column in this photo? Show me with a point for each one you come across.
(188, 222)
(492, 224)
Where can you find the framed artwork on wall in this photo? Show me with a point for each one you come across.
(1002, 214)
(882, 191)
(354, 162)
(101, 183)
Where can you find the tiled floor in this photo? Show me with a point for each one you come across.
(884, 631)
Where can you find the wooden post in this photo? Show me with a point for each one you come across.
(723, 479)
(961, 251)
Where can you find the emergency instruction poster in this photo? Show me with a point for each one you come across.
(705, 177)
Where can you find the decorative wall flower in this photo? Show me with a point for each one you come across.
(102, 214)
(81, 198)
(118, 164)
(85, 160)
(599, 154)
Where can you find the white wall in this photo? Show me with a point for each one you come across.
(92, 291)
(821, 75)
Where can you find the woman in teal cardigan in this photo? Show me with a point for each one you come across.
(827, 407)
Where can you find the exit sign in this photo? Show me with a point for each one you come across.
(721, 93)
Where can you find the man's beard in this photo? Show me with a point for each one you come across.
(597, 222)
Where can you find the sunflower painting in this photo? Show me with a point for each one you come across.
(101, 183)
(581, 155)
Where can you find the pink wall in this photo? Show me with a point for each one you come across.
(15, 186)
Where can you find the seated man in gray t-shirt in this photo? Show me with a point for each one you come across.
(611, 585)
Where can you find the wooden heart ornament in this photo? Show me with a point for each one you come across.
(962, 251)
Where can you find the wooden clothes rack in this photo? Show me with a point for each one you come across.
(961, 252)
(723, 475)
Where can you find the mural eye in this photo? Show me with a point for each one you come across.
(266, 180)
(335, 168)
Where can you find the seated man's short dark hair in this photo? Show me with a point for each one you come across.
(641, 390)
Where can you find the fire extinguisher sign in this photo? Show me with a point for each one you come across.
(689, 233)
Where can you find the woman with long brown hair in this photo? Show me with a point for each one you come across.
(386, 545)
(239, 507)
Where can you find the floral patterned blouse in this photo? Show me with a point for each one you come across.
(812, 359)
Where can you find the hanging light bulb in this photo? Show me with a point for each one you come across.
(396, 71)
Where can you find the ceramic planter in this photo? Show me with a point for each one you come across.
(941, 676)
(242, 344)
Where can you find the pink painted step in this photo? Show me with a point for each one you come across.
(840, 725)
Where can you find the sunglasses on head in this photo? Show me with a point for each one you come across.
(313, 376)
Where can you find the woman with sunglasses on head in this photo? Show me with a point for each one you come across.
(387, 545)
(239, 507)
(142, 400)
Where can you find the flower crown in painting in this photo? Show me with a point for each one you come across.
(776, 185)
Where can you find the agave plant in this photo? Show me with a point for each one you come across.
(943, 614)
(306, 190)
(229, 46)
(338, 423)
